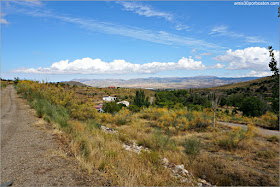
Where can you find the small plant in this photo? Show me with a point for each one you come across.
(273, 139)
(232, 139)
(267, 154)
(192, 146)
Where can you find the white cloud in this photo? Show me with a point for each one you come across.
(206, 54)
(180, 27)
(198, 57)
(2, 19)
(29, 3)
(97, 66)
(145, 10)
(194, 50)
(258, 74)
(217, 66)
(253, 58)
(223, 30)
(148, 11)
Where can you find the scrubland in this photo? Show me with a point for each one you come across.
(222, 156)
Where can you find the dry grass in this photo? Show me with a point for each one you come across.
(225, 157)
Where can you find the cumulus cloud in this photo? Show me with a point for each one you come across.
(253, 58)
(97, 66)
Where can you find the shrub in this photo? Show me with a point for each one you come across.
(273, 139)
(270, 120)
(134, 108)
(152, 157)
(191, 146)
(91, 124)
(111, 107)
(158, 141)
(123, 117)
(232, 139)
(252, 106)
(267, 154)
(199, 124)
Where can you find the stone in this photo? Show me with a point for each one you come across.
(165, 161)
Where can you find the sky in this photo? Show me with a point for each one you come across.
(65, 40)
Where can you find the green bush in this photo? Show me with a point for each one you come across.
(158, 142)
(252, 106)
(273, 139)
(112, 107)
(191, 146)
(134, 108)
(232, 140)
(267, 154)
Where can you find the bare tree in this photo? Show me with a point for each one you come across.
(215, 101)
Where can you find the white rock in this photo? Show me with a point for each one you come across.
(165, 161)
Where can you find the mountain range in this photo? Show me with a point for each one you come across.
(165, 83)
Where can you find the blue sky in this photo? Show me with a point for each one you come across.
(64, 40)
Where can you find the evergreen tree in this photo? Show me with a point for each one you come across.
(141, 100)
(275, 90)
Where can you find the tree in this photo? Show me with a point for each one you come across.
(141, 100)
(112, 107)
(16, 80)
(273, 62)
(252, 106)
(215, 101)
(275, 89)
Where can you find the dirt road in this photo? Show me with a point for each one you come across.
(29, 153)
(262, 131)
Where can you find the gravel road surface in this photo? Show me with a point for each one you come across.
(29, 153)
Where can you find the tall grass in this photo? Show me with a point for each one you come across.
(94, 148)
(161, 130)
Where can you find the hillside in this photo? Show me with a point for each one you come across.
(261, 86)
(164, 144)
(72, 83)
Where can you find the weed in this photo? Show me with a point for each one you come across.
(273, 139)
(192, 146)
(232, 139)
(267, 154)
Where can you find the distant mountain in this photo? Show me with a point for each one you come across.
(166, 83)
(77, 83)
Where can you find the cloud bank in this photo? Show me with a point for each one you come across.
(252, 58)
(97, 66)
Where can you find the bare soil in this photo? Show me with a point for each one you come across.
(31, 154)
